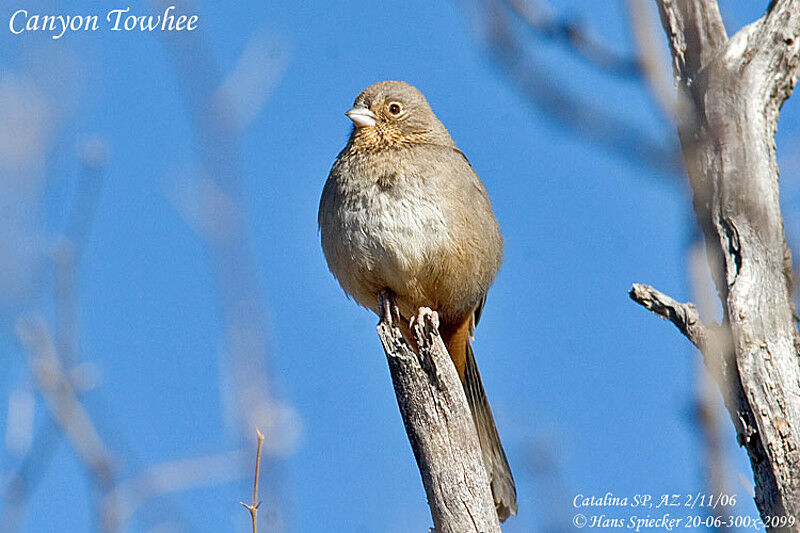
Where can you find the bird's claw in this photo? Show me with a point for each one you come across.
(387, 307)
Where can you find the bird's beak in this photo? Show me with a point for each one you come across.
(362, 117)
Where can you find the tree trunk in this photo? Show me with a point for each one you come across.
(730, 94)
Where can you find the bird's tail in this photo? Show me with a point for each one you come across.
(494, 457)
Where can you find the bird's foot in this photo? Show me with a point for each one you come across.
(423, 314)
(387, 307)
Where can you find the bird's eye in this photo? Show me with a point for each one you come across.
(394, 108)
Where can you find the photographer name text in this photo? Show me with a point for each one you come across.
(668, 512)
(22, 21)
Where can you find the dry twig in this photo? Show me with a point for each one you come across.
(253, 508)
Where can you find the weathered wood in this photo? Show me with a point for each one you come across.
(733, 90)
(439, 425)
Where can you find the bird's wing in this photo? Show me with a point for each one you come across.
(476, 315)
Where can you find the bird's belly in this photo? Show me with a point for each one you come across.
(390, 240)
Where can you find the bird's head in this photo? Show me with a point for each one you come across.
(395, 113)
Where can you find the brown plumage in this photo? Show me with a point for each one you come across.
(402, 209)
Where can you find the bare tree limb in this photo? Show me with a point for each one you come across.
(694, 30)
(683, 315)
(711, 340)
(439, 424)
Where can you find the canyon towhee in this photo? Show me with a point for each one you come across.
(403, 210)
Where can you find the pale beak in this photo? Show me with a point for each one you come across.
(362, 117)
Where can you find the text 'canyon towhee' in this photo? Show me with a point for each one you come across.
(403, 210)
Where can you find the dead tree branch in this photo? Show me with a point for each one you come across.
(683, 315)
(736, 88)
(439, 425)
(712, 340)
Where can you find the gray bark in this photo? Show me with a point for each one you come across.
(731, 92)
(439, 425)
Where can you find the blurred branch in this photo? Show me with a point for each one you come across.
(66, 256)
(223, 222)
(71, 417)
(713, 458)
(541, 22)
(439, 424)
(601, 126)
(218, 109)
(176, 476)
(224, 107)
(706, 413)
(652, 62)
(20, 483)
(93, 158)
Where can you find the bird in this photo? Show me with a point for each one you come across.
(403, 210)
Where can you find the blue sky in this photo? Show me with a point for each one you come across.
(576, 373)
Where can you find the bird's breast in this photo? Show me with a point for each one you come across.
(382, 232)
(394, 224)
